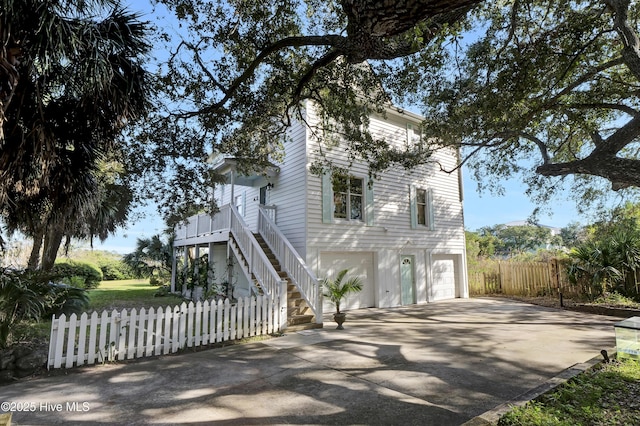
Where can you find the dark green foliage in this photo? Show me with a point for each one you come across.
(71, 79)
(152, 258)
(17, 301)
(509, 241)
(78, 274)
(31, 295)
(111, 264)
(240, 72)
(609, 260)
(543, 90)
(115, 270)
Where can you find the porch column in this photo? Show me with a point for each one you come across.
(185, 269)
(174, 266)
(211, 266)
(196, 263)
(232, 181)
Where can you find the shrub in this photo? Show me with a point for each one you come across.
(17, 302)
(115, 270)
(77, 274)
(28, 295)
(162, 291)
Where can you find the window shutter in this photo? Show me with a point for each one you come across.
(327, 197)
(413, 207)
(430, 209)
(244, 203)
(369, 202)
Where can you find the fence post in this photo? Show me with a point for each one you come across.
(319, 307)
(282, 295)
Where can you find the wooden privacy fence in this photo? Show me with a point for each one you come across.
(520, 279)
(111, 336)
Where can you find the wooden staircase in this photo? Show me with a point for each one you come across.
(299, 314)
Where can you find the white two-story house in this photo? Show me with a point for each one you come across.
(402, 233)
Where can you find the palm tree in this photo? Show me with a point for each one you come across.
(594, 267)
(69, 84)
(151, 254)
(336, 290)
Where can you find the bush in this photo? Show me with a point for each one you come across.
(17, 302)
(31, 295)
(77, 274)
(158, 279)
(115, 270)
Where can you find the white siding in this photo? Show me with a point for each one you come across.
(391, 198)
(391, 234)
(289, 193)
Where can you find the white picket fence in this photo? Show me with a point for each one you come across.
(126, 335)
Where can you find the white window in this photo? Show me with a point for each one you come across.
(421, 205)
(348, 197)
(414, 135)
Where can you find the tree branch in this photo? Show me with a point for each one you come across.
(325, 40)
(544, 152)
(628, 36)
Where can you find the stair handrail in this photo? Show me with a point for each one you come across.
(257, 261)
(292, 263)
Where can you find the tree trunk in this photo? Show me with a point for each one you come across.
(34, 258)
(52, 242)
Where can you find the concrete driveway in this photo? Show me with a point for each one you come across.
(436, 364)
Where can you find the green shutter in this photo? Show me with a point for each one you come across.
(413, 207)
(327, 197)
(430, 209)
(369, 203)
(244, 203)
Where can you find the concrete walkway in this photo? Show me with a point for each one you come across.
(436, 364)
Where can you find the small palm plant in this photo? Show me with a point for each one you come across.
(17, 301)
(336, 290)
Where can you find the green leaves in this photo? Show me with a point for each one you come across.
(544, 90)
(336, 290)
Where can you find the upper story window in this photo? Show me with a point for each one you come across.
(414, 135)
(422, 209)
(348, 197)
(421, 205)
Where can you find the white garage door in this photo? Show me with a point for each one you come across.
(360, 265)
(444, 277)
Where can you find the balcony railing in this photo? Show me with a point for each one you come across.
(204, 224)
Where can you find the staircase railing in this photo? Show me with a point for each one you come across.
(257, 261)
(291, 262)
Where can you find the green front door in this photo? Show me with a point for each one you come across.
(407, 283)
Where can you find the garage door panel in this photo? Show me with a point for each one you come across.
(444, 277)
(359, 265)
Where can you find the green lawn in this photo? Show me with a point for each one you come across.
(608, 395)
(127, 294)
(124, 294)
